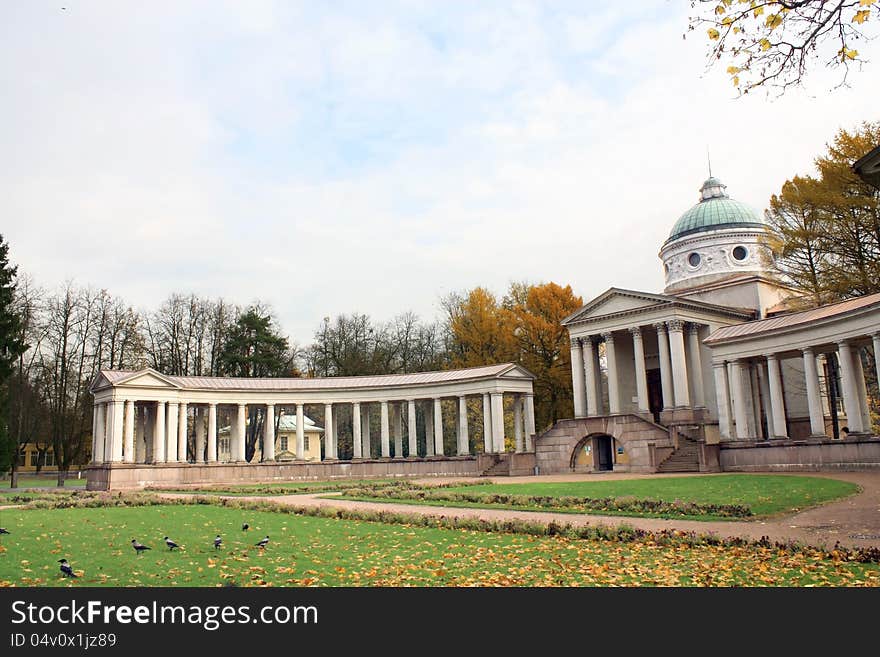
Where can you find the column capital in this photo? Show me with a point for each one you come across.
(675, 324)
(693, 328)
(843, 343)
(660, 326)
(771, 356)
(720, 364)
(575, 343)
(636, 332)
(808, 351)
(608, 336)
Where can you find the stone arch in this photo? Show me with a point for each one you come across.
(588, 454)
(634, 442)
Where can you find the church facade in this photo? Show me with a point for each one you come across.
(717, 372)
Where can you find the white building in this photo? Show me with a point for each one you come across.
(699, 376)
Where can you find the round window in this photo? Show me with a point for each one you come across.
(740, 253)
(694, 259)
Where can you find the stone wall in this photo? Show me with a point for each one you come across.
(121, 476)
(801, 455)
(639, 437)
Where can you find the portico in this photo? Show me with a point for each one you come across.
(146, 418)
(655, 361)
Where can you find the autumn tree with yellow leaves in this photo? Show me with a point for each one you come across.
(523, 327)
(773, 43)
(827, 226)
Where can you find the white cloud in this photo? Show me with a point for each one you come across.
(328, 161)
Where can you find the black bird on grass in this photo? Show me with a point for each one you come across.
(171, 544)
(263, 543)
(218, 542)
(138, 547)
(3, 530)
(245, 526)
(66, 570)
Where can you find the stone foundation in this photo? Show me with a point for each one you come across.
(127, 476)
(801, 455)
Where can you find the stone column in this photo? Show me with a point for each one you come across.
(384, 431)
(300, 432)
(335, 434)
(577, 378)
(411, 428)
(366, 438)
(108, 432)
(94, 429)
(438, 427)
(128, 433)
(641, 371)
(199, 426)
(498, 422)
(592, 375)
(212, 433)
(464, 439)
(159, 434)
(777, 399)
(740, 402)
(611, 362)
(722, 394)
(140, 438)
(240, 432)
(397, 429)
(429, 429)
(696, 361)
(679, 363)
(517, 423)
(356, 437)
(329, 432)
(850, 387)
(99, 430)
(116, 432)
(665, 366)
(861, 389)
(182, 432)
(875, 339)
(268, 451)
(530, 419)
(173, 414)
(488, 443)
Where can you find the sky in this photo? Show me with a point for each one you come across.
(338, 157)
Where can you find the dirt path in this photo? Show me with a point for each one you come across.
(854, 522)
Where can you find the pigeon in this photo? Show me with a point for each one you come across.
(171, 544)
(138, 548)
(66, 570)
(263, 543)
(3, 530)
(245, 527)
(218, 542)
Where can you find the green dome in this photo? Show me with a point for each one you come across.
(715, 210)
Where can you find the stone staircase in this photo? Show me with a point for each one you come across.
(500, 466)
(685, 458)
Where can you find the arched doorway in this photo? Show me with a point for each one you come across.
(604, 453)
(593, 453)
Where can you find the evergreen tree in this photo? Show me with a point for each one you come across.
(11, 346)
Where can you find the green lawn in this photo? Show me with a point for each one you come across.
(764, 494)
(333, 552)
(31, 481)
(280, 488)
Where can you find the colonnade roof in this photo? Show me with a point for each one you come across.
(151, 378)
(802, 319)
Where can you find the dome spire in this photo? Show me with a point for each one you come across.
(709, 159)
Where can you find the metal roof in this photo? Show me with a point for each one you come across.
(338, 382)
(760, 327)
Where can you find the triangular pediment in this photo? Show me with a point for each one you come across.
(517, 372)
(101, 381)
(147, 378)
(615, 301)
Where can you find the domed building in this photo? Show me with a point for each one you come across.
(697, 377)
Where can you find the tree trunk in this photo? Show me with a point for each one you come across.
(61, 477)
